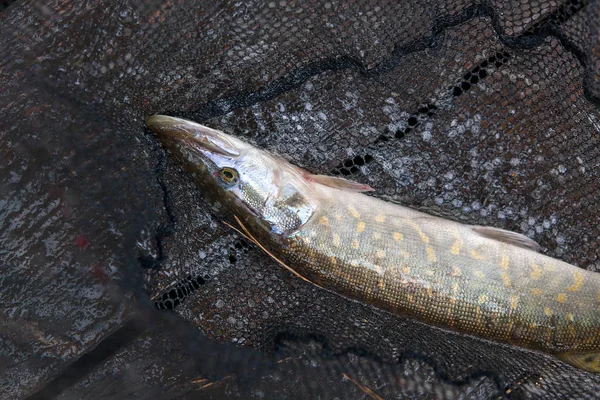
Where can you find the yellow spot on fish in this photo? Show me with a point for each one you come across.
(418, 229)
(536, 291)
(475, 255)
(570, 317)
(397, 236)
(479, 273)
(376, 235)
(456, 271)
(379, 269)
(536, 272)
(336, 239)
(380, 218)
(561, 297)
(355, 244)
(455, 249)
(338, 217)
(406, 270)
(482, 299)
(514, 302)
(324, 220)
(511, 323)
(360, 227)
(504, 265)
(431, 254)
(549, 267)
(333, 260)
(578, 281)
(506, 279)
(533, 325)
(411, 298)
(353, 211)
(429, 291)
(548, 312)
(449, 311)
(380, 253)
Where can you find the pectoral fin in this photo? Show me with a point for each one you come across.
(586, 361)
(509, 237)
(340, 183)
(246, 233)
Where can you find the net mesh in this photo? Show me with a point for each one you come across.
(483, 112)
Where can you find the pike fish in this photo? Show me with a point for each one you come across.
(477, 280)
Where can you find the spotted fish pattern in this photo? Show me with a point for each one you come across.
(452, 275)
(481, 281)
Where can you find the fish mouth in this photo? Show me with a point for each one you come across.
(177, 131)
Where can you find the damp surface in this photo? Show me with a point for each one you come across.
(118, 278)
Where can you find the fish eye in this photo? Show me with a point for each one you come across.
(228, 176)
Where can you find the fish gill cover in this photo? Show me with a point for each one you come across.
(117, 278)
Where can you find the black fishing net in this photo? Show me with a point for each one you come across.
(119, 281)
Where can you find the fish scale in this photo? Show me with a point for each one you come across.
(489, 295)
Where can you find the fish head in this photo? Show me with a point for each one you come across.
(262, 190)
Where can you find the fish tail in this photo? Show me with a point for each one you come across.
(586, 361)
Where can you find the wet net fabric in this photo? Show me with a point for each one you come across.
(482, 112)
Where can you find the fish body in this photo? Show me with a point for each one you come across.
(446, 273)
(482, 281)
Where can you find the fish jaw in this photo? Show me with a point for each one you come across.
(172, 131)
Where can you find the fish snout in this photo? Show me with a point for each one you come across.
(177, 131)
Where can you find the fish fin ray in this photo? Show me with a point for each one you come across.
(505, 236)
(246, 233)
(340, 183)
(238, 231)
(586, 361)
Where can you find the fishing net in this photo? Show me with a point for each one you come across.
(118, 280)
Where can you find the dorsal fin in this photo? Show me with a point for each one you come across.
(509, 237)
(340, 183)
